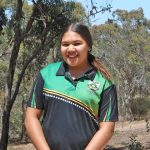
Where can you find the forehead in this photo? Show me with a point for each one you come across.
(71, 35)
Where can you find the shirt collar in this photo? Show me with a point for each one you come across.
(63, 69)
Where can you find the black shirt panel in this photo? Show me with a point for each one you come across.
(109, 104)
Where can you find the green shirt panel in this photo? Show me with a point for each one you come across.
(81, 92)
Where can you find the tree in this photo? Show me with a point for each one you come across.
(123, 44)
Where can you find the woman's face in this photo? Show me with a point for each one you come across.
(74, 50)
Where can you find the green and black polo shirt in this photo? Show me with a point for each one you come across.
(72, 108)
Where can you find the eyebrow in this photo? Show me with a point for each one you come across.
(71, 41)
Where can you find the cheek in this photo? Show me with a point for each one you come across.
(84, 51)
(63, 53)
(84, 54)
(62, 50)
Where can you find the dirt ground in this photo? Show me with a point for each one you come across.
(120, 139)
(123, 132)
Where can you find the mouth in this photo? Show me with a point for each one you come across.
(72, 56)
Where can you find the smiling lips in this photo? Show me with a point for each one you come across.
(72, 55)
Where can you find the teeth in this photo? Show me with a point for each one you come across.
(72, 56)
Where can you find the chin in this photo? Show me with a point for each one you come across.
(73, 64)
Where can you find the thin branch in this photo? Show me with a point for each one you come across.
(20, 76)
(28, 27)
(113, 66)
(4, 54)
(93, 13)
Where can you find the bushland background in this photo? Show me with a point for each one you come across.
(29, 40)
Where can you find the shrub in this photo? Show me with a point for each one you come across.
(140, 107)
(134, 144)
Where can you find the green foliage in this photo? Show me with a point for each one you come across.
(133, 18)
(52, 14)
(79, 13)
(140, 107)
(3, 18)
(3, 57)
(16, 120)
(27, 9)
(123, 45)
(3, 68)
(134, 144)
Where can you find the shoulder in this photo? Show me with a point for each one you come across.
(105, 83)
(50, 68)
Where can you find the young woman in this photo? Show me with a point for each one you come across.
(76, 96)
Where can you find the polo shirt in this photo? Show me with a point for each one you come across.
(73, 109)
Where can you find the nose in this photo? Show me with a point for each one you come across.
(71, 48)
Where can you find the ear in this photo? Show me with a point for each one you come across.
(89, 50)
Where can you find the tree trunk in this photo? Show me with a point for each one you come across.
(5, 118)
(127, 101)
(128, 111)
(5, 130)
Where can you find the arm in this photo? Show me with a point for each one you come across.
(34, 128)
(102, 136)
(108, 114)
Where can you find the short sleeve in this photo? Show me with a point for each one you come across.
(108, 107)
(36, 96)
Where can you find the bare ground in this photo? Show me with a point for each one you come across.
(120, 139)
(123, 132)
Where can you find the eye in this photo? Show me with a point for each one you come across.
(77, 44)
(65, 44)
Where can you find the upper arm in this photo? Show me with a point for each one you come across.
(35, 103)
(36, 95)
(32, 112)
(108, 109)
(108, 126)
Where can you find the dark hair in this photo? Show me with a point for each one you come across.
(80, 29)
(86, 35)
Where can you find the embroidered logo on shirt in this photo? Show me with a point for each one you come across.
(93, 85)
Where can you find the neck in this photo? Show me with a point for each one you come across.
(76, 71)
